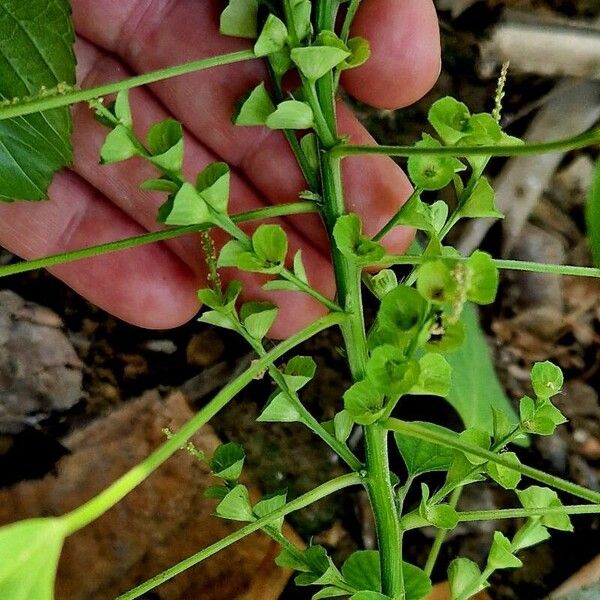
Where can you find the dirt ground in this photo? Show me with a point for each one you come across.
(107, 363)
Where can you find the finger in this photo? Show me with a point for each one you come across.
(120, 183)
(173, 32)
(405, 57)
(146, 286)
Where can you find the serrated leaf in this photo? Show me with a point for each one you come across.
(272, 38)
(291, 114)
(29, 553)
(592, 214)
(236, 505)
(475, 385)
(423, 457)
(315, 61)
(255, 108)
(228, 461)
(239, 19)
(36, 52)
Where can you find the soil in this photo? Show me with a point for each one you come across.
(534, 319)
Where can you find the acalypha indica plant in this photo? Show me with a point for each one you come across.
(404, 352)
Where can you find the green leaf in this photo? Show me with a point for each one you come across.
(213, 186)
(118, 146)
(218, 319)
(547, 379)
(36, 54)
(362, 570)
(541, 418)
(187, 207)
(236, 505)
(272, 38)
(508, 478)
(431, 172)
(230, 253)
(280, 409)
(316, 61)
(481, 202)
(532, 533)
(442, 516)
(415, 213)
(342, 425)
(228, 461)
(360, 52)
(29, 553)
(299, 270)
(541, 497)
(271, 503)
(417, 584)
(159, 185)
(351, 242)
(270, 245)
(482, 278)
(435, 376)
(239, 19)
(216, 492)
(299, 371)
(329, 592)
(300, 16)
(390, 372)
(291, 114)
(383, 283)
(224, 303)
(450, 119)
(313, 559)
(363, 403)
(258, 317)
(501, 554)
(255, 108)
(592, 215)
(475, 387)
(309, 146)
(423, 457)
(165, 142)
(463, 575)
(122, 109)
(476, 437)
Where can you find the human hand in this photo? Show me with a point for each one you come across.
(155, 286)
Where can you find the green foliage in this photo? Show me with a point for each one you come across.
(272, 38)
(228, 461)
(592, 215)
(430, 172)
(36, 52)
(239, 19)
(291, 114)
(29, 553)
(363, 402)
(255, 108)
(236, 506)
(315, 61)
(465, 578)
(390, 373)
(352, 243)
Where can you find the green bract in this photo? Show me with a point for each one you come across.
(272, 38)
(291, 114)
(390, 372)
(363, 403)
(429, 172)
(228, 461)
(239, 19)
(353, 244)
(165, 143)
(255, 108)
(315, 61)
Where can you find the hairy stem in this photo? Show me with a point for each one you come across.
(97, 506)
(307, 499)
(523, 513)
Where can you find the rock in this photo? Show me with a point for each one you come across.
(167, 518)
(40, 371)
(204, 349)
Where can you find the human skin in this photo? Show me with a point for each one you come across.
(155, 286)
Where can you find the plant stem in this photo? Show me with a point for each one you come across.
(440, 537)
(307, 499)
(583, 140)
(280, 210)
(338, 447)
(94, 508)
(352, 9)
(9, 111)
(418, 431)
(307, 289)
(508, 265)
(523, 513)
(394, 220)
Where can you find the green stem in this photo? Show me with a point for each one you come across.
(523, 513)
(440, 537)
(352, 9)
(85, 514)
(338, 447)
(419, 432)
(10, 111)
(281, 210)
(307, 289)
(508, 265)
(325, 133)
(589, 138)
(307, 499)
(394, 220)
